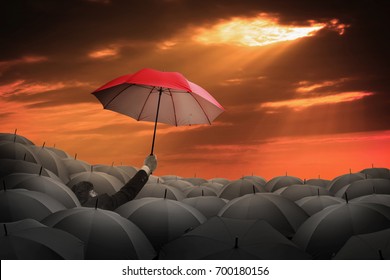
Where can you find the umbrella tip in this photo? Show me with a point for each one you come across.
(5, 229)
(372, 165)
(165, 194)
(4, 187)
(91, 168)
(346, 197)
(202, 193)
(96, 203)
(25, 156)
(318, 192)
(43, 145)
(112, 164)
(380, 254)
(15, 134)
(350, 171)
(236, 243)
(40, 170)
(304, 181)
(253, 189)
(75, 156)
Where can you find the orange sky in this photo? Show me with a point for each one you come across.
(304, 93)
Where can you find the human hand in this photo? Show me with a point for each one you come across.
(151, 162)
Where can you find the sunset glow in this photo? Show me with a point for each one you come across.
(258, 31)
(104, 53)
(302, 103)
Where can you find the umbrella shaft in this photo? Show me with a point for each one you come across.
(155, 122)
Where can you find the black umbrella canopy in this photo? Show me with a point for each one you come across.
(324, 233)
(200, 191)
(365, 187)
(337, 183)
(13, 137)
(170, 178)
(224, 238)
(75, 166)
(376, 172)
(129, 170)
(19, 204)
(318, 182)
(60, 153)
(215, 186)
(14, 150)
(296, 192)
(314, 204)
(370, 246)
(102, 182)
(34, 182)
(257, 180)
(222, 181)
(118, 173)
(209, 206)
(239, 188)
(106, 235)
(9, 166)
(383, 199)
(179, 184)
(283, 214)
(195, 180)
(30, 240)
(52, 162)
(161, 191)
(280, 182)
(162, 220)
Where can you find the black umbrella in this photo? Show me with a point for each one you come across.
(106, 235)
(14, 150)
(370, 246)
(209, 206)
(162, 220)
(314, 204)
(13, 137)
(30, 240)
(224, 238)
(283, 214)
(296, 192)
(337, 183)
(49, 186)
(52, 162)
(365, 187)
(239, 188)
(161, 191)
(280, 182)
(9, 166)
(377, 172)
(324, 233)
(22, 204)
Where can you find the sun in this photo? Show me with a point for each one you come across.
(264, 29)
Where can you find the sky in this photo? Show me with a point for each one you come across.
(304, 84)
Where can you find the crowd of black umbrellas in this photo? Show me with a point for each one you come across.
(285, 218)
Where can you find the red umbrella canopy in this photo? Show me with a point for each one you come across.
(156, 96)
(182, 102)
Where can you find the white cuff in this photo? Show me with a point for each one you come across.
(146, 169)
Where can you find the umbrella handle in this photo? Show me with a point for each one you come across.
(155, 122)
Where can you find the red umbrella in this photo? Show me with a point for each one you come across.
(156, 96)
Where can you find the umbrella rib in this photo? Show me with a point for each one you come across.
(143, 107)
(109, 102)
(174, 108)
(201, 108)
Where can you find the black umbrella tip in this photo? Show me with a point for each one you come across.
(236, 243)
(346, 197)
(380, 254)
(5, 230)
(96, 203)
(40, 170)
(165, 193)
(4, 187)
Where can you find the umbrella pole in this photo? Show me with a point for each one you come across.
(155, 122)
